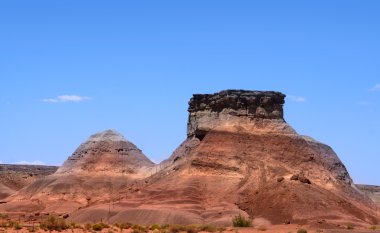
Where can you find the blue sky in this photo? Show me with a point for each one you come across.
(71, 68)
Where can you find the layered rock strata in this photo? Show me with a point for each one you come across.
(236, 108)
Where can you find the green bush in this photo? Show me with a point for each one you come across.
(241, 221)
(301, 230)
(123, 225)
(139, 229)
(53, 223)
(155, 226)
(99, 226)
(17, 226)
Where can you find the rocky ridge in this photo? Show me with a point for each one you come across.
(15, 177)
(372, 191)
(240, 156)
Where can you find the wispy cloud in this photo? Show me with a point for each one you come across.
(294, 98)
(67, 98)
(375, 88)
(30, 163)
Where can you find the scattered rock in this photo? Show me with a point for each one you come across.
(280, 179)
(303, 179)
(294, 177)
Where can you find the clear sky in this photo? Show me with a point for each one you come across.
(71, 68)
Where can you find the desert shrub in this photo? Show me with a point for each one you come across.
(74, 225)
(373, 228)
(221, 229)
(188, 228)
(207, 228)
(3, 217)
(10, 224)
(88, 226)
(158, 231)
(139, 229)
(241, 221)
(301, 230)
(174, 229)
(262, 228)
(54, 223)
(32, 229)
(99, 226)
(165, 226)
(123, 225)
(17, 226)
(350, 227)
(192, 230)
(154, 227)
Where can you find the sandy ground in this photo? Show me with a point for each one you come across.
(291, 228)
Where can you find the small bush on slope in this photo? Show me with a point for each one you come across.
(301, 230)
(241, 221)
(53, 223)
(99, 226)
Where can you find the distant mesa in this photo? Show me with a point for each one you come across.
(239, 156)
(15, 177)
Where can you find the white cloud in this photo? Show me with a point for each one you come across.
(30, 163)
(375, 88)
(296, 98)
(67, 98)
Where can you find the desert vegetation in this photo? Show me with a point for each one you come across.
(241, 221)
(301, 230)
(58, 224)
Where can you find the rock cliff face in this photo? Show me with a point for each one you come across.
(235, 107)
